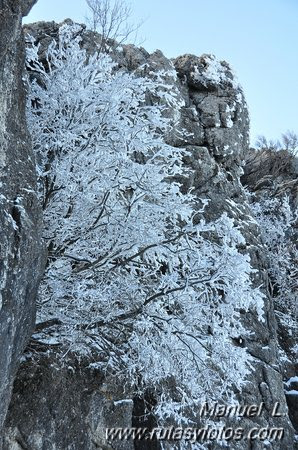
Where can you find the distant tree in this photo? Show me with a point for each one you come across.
(132, 279)
(290, 142)
(262, 143)
(111, 18)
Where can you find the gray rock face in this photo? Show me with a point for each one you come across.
(21, 251)
(71, 406)
(213, 125)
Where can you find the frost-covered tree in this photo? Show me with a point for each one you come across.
(132, 279)
(277, 221)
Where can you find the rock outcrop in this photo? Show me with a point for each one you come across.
(21, 251)
(214, 127)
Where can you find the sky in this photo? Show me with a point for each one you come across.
(259, 39)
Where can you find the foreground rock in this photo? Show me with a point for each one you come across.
(20, 215)
(70, 406)
(213, 126)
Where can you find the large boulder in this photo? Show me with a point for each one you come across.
(21, 250)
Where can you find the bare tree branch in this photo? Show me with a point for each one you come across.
(110, 18)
